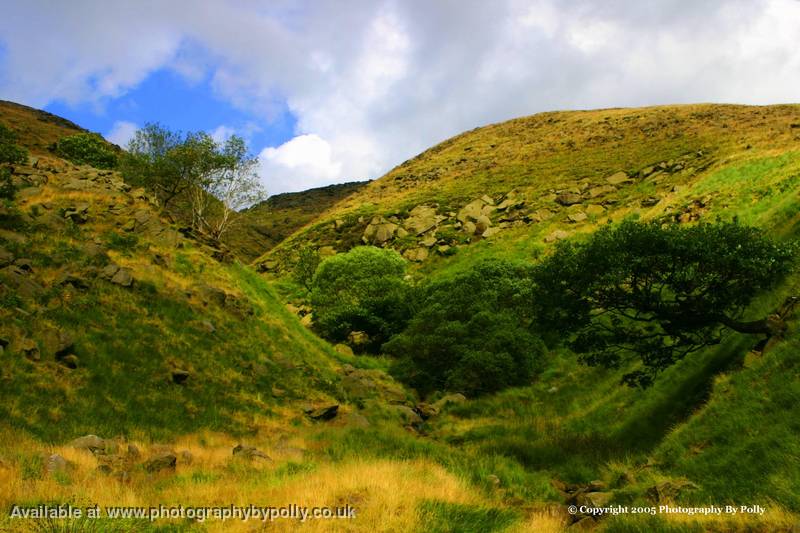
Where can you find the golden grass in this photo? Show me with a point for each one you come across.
(385, 493)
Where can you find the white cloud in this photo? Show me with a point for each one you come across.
(121, 133)
(373, 82)
(298, 164)
(222, 133)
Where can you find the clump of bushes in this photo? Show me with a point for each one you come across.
(471, 333)
(361, 290)
(10, 154)
(86, 149)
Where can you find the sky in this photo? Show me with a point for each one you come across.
(330, 91)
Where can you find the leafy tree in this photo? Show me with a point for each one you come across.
(86, 149)
(230, 185)
(307, 264)
(657, 293)
(361, 290)
(11, 154)
(169, 163)
(471, 333)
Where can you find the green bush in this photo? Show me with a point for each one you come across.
(10, 153)
(361, 290)
(471, 333)
(86, 149)
(307, 263)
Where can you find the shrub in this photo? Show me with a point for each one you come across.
(306, 266)
(361, 290)
(10, 153)
(471, 333)
(86, 149)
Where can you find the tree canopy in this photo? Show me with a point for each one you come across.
(361, 290)
(470, 333)
(639, 290)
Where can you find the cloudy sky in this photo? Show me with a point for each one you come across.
(339, 90)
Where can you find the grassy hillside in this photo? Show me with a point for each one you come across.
(267, 224)
(543, 177)
(113, 323)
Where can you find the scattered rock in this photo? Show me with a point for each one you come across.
(468, 228)
(594, 499)
(482, 223)
(122, 277)
(416, 254)
(594, 210)
(578, 216)
(179, 377)
(78, 213)
(357, 338)
(618, 179)
(162, 461)
(601, 190)
(343, 349)
(212, 294)
(379, 231)
(471, 211)
(426, 410)
(407, 415)
(568, 198)
(75, 280)
(650, 201)
(186, 457)
(323, 413)
(91, 443)
(428, 241)
(557, 235)
(421, 219)
(249, 452)
(19, 281)
(490, 231)
(56, 463)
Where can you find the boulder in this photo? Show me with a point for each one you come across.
(416, 254)
(594, 210)
(490, 232)
(568, 198)
(601, 190)
(379, 231)
(122, 277)
(578, 216)
(468, 228)
(179, 377)
(357, 338)
(482, 223)
(618, 178)
(594, 499)
(426, 410)
(78, 213)
(75, 280)
(343, 349)
(421, 219)
(650, 201)
(471, 211)
(211, 294)
(323, 413)
(428, 241)
(407, 415)
(91, 443)
(557, 235)
(19, 281)
(249, 452)
(162, 461)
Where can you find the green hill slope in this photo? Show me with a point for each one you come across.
(543, 177)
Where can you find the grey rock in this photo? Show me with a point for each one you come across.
(162, 461)
(91, 443)
(249, 452)
(323, 413)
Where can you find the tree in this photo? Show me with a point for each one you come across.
(656, 293)
(169, 163)
(307, 263)
(361, 290)
(471, 333)
(11, 154)
(231, 184)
